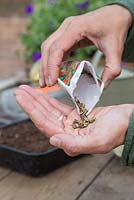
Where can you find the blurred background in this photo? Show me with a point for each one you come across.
(12, 24)
(24, 25)
(13, 8)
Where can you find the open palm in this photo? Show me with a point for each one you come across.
(106, 133)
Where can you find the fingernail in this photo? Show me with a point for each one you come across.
(46, 79)
(56, 141)
(41, 82)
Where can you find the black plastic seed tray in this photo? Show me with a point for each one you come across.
(33, 164)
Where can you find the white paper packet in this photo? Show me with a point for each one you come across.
(80, 80)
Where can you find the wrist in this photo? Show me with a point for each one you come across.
(122, 14)
(129, 110)
(109, 18)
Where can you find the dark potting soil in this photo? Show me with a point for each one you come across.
(26, 137)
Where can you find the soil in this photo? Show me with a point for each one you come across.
(25, 136)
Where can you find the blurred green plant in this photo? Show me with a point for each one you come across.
(45, 16)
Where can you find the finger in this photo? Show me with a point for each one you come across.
(41, 98)
(46, 111)
(58, 49)
(42, 123)
(63, 108)
(47, 115)
(113, 63)
(55, 107)
(73, 144)
(43, 73)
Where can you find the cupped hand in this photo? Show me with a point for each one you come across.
(106, 133)
(106, 28)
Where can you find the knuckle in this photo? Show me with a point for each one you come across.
(69, 20)
(69, 154)
(55, 48)
(42, 70)
(116, 72)
(44, 45)
(72, 150)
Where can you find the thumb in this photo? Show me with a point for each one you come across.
(72, 144)
(112, 66)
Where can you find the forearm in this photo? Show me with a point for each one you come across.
(128, 53)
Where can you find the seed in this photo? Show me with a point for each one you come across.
(84, 120)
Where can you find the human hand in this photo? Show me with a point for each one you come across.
(106, 28)
(106, 133)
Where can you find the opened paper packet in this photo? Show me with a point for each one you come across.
(81, 82)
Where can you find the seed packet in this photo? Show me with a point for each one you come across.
(81, 82)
